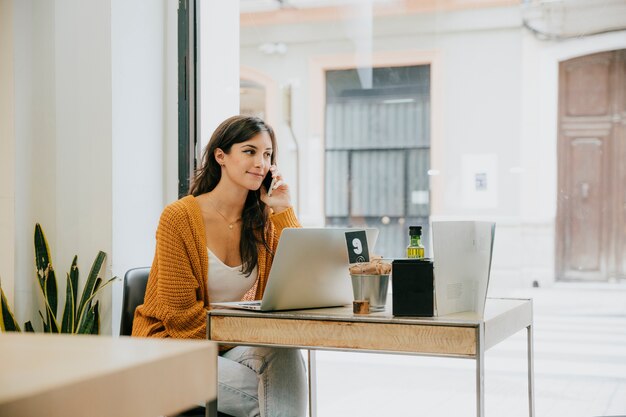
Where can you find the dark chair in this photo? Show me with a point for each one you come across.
(135, 282)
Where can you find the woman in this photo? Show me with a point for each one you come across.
(217, 244)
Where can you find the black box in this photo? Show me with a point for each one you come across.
(412, 287)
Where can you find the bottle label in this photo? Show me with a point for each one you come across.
(415, 252)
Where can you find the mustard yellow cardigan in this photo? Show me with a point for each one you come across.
(176, 297)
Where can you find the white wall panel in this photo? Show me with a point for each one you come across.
(139, 139)
(218, 69)
(7, 149)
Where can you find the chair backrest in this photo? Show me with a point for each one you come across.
(135, 282)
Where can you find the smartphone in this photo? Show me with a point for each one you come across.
(268, 183)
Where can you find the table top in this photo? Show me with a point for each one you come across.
(340, 329)
(103, 374)
(494, 308)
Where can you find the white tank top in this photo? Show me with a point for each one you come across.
(227, 283)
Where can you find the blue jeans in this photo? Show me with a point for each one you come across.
(261, 381)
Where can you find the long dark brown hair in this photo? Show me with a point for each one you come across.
(254, 217)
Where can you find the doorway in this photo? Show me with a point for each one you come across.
(591, 206)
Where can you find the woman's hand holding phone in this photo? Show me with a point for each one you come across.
(271, 187)
(275, 192)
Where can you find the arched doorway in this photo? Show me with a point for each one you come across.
(591, 208)
(258, 95)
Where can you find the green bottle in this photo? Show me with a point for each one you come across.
(415, 250)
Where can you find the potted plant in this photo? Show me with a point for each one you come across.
(79, 315)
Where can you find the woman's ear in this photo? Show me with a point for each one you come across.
(219, 156)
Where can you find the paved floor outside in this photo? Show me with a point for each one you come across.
(580, 367)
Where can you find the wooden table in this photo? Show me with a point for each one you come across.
(462, 335)
(74, 375)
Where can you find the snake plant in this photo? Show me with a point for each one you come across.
(79, 315)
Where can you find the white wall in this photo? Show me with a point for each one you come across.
(95, 137)
(83, 136)
(35, 157)
(7, 150)
(62, 117)
(143, 130)
(218, 65)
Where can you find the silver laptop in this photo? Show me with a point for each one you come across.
(310, 270)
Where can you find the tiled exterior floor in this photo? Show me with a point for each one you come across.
(580, 367)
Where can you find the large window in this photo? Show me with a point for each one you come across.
(395, 113)
(377, 151)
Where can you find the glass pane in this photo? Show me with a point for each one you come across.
(418, 191)
(415, 111)
(483, 102)
(385, 127)
(337, 184)
(377, 180)
(410, 112)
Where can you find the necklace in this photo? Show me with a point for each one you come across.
(230, 224)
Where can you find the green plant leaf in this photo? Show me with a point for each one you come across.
(91, 282)
(95, 327)
(46, 276)
(96, 288)
(67, 325)
(42, 254)
(28, 327)
(46, 327)
(51, 293)
(92, 318)
(78, 316)
(51, 323)
(74, 279)
(7, 319)
(82, 318)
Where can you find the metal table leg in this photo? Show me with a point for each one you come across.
(211, 408)
(480, 370)
(531, 372)
(312, 384)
